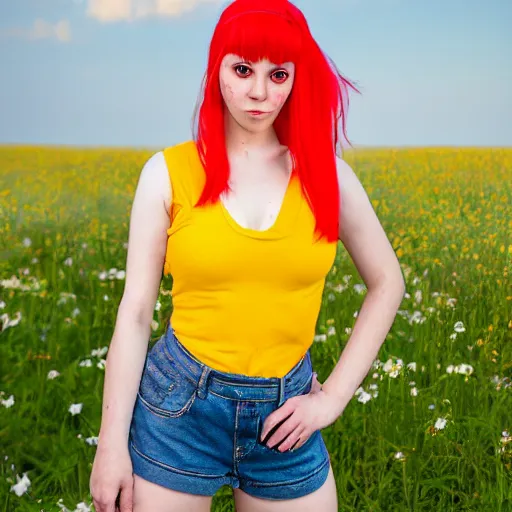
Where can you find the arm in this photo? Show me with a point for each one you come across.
(375, 259)
(147, 243)
(365, 240)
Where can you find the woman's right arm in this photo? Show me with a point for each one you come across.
(147, 243)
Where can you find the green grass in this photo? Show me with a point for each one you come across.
(448, 214)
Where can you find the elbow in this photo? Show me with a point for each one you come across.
(132, 312)
(392, 283)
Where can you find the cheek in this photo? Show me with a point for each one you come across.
(278, 99)
(227, 91)
(230, 94)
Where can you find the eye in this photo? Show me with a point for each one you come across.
(284, 76)
(241, 66)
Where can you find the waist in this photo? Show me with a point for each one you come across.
(240, 334)
(261, 350)
(239, 386)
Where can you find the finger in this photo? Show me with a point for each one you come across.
(302, 439)
(99, 507)
(109, 506)
(283, 431)
(292, 439)
(126, 501)
(103, 506)
(280, 415)
(265, 437)
(295, 445)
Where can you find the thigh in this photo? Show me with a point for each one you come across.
(150, 496)
(323, 499)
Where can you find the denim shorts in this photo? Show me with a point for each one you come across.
(195, 429)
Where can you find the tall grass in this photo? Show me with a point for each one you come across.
(430, 427)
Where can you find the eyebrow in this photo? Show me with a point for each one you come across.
(252, 64)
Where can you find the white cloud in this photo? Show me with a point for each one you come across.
(129, 10)
(42, 29)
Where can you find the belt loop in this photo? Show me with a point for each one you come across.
(280, 397)
(202, 386)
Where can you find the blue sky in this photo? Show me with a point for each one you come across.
(109, 73)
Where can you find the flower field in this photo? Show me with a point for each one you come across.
(430, 427)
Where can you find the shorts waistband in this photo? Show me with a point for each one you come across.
(238, 386)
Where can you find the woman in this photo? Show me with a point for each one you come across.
(246, 217)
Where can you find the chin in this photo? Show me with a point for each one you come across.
(256, 127)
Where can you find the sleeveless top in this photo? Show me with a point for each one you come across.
(244, 301)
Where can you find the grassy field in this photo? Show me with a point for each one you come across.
(429, 429)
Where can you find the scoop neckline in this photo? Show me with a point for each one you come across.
(278, 228)
(285, 218)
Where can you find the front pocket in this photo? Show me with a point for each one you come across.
(275, 448)
(164, 388)
(167, 412)
(304, 389)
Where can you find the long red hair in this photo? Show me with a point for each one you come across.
(308, 121)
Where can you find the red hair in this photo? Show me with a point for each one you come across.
(308, 121)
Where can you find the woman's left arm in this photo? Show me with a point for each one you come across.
(367, 244)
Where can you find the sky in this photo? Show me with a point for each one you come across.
(128, 72)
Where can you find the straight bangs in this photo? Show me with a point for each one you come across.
(261, 35)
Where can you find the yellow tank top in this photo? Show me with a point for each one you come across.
(244, 301)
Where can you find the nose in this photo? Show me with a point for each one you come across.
(258, 90)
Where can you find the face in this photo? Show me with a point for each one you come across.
(261, 86)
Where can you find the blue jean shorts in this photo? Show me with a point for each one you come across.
(195, 429)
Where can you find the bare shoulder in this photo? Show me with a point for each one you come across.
(347, 178)
(147, 239)
(353, 197)
(356, 210)
(154, 175)
(360, 230)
